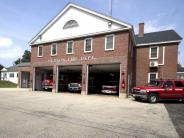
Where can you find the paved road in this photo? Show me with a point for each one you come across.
(42, 115)
(176, 113)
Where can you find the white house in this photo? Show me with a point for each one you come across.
(10, 74)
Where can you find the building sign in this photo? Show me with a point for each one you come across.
(72, 59)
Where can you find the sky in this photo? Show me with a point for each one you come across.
(21, 20)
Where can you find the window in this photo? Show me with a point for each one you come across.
(88, 45)
(70, 24)
(109, 42)
(11, 75)
(54, 49)
(153, 53)
(179, 84)
(40, 51)
(168, 84)
(69, 49)
(152, 77)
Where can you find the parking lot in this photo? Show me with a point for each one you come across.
(44, 114)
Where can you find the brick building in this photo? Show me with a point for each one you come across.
(82, 45)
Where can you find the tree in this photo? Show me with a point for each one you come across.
(26, 57)
(18, 61)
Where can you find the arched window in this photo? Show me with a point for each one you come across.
(70, 24)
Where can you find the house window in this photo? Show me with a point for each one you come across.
(69, 49)
(11, 75)
(152, 77)
(109, 42)
(54, 49)
(88, 45)
(153, 53)
(40, 51)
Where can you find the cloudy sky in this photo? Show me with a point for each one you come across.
(20, 20)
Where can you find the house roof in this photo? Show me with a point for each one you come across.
(12, 69)
(167, 36)
(69, 5)
(24, 64)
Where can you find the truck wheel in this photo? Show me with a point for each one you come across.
(153, 98)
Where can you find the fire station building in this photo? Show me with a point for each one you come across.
(82, 45)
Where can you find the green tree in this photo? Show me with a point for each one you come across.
(17, 61)
(26, 57)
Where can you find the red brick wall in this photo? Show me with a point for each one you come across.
(167, 71)
(118, 55)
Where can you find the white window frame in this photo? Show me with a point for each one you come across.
(150, 74)
(52, 48)
(67, 47)
(11, 74)
(112, 42)
(39, 52)
(157, 52)
(85, 45)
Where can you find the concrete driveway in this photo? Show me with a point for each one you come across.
(42, 115)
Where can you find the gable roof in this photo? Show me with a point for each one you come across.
(157, 37)
(11, 69)
(69, 5)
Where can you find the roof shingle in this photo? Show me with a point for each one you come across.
(157, 37)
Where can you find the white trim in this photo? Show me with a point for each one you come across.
(39, 52)
(80, 36)
(163, 57)
(152, 73)
(157, 52)
(85, 45)
(67, 47)
(156, 43)
(80, 8)
(112, 42)
(51, 49)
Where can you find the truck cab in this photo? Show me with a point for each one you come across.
(160, 90)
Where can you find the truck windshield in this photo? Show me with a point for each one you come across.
(155, 83)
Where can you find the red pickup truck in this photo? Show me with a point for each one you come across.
(160, 90)
(47, 84)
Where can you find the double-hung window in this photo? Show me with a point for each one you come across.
(154, 52)
(109, 42)
(88, 45)
(69, 49)
(152, 77)
(54, 49)
(40, 51)
(11, 75)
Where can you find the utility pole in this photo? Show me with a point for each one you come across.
(110, 7)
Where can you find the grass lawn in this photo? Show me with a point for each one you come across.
(7, 84)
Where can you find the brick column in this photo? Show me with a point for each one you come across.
(32, 76)
(84, 80)
(54, 78)
(19, 79)
(123, 76)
